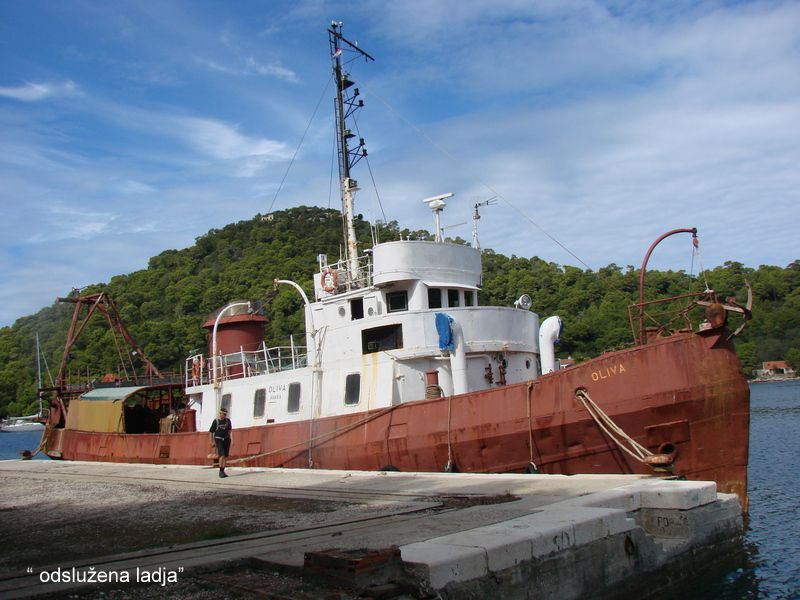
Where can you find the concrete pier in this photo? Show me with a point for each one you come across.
(75, 527)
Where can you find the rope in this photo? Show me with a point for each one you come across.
(332, 434)
(371, 176)
(377, 193)
(48, 429)
(483, 183)
(530, 424)
(291, 162)
(433, 391)
(612, 430)
(47, 368)
(333, 163)
(449, 446)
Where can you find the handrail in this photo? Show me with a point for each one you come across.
(243, 364)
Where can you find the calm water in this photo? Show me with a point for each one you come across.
(770, 567)
(11, 444)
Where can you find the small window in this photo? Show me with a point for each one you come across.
(352, 389)
(377, 339)
(452, 298)
(434, 298)
(293, 405)
(469, 298)
(357, 308)
(226, 402)
(397, 301)
(259, 403)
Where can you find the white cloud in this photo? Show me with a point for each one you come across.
(35, 92)
(224, 142)
(64, 222)
(604, 123)
(215, 66)
(274, 70)
(132, 187)
(251, 66)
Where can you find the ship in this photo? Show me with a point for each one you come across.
(21, 424)
(401, 368)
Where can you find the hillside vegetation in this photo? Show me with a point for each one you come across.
(165, 305)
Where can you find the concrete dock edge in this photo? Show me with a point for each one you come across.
(423, 535)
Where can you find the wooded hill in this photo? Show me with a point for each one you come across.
(165, 305)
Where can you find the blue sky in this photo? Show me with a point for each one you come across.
(127, 128)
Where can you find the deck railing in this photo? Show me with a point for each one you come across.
(243, 364)
(345, 281)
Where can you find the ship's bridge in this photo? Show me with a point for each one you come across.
(435, 263)
(411, 265)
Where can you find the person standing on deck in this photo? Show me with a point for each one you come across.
(221, 437)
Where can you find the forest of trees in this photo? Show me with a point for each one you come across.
(165, 305)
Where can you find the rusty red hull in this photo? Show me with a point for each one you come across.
(686, 390)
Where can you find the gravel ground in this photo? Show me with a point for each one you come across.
(46, 521)
(51, 521)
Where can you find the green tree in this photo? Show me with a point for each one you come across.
(165, 305)
(792, 357)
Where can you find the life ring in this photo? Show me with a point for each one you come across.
(329, 279)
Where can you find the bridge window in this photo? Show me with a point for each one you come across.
(293, 404)
(226, 402)
(259, 403)
(397, 301)
(469, 298)
(434, 298)
(352, 389)
(452, 298)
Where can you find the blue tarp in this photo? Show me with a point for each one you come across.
(445, 332)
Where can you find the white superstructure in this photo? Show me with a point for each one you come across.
(371, 339)
(394, 326)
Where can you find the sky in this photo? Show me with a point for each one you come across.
(130, 128)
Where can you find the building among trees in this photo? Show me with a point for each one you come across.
(775, 369)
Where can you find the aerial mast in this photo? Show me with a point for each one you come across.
(347, 103)
(476, 217)
(39, 373)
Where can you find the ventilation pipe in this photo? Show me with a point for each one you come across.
(549, 332)
(458, 359)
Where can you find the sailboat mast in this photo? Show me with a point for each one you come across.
(346, 105)
(39, 373)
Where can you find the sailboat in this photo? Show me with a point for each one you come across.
(31, 422)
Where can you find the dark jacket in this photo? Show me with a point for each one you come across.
(221, 428)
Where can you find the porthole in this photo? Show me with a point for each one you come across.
(528, 363)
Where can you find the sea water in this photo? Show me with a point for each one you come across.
(12, 444)
(770, 564)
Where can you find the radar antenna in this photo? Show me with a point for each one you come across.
(437, 204)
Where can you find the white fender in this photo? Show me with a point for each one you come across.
(549, 331)
(458, 359)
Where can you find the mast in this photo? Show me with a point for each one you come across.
(39, 373)
(346, 104)
(476, 217)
